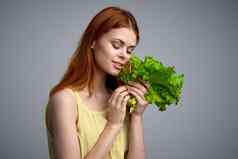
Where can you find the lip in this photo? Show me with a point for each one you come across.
(117, 65)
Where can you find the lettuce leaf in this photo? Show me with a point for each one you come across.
(165, 85)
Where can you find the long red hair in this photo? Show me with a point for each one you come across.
(80, 71)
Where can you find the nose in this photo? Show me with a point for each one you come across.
(124, 55)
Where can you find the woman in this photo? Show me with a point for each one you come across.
(86, 115)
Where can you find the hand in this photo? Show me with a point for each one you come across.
(138, 90)
(116, 110)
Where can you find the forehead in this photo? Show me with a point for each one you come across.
(124, 34)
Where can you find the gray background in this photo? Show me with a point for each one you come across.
(199, 37)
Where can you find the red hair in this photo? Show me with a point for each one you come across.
(80, 71)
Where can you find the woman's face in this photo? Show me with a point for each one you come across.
(113, 49)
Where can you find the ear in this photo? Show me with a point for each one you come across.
(93, 44)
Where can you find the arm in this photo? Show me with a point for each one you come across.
(115, 116)
(136, 136)
(136, 130)
(104, 143)
(63, 118)
(62, 115)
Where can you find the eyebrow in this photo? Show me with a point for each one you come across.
(122, 42)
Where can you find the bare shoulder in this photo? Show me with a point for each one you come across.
(62, 106)
(63, 99)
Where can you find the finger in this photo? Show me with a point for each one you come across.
(145, 84)
(115, 94)
(134, 89)
(124, 102)
(119, 90)
(138, 98)
(138, 85)
(120, 98)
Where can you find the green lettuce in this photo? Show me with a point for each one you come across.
(165, 85)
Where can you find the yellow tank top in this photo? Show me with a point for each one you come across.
(89, 126)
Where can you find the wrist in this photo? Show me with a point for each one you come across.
(114, 126)
(136, 116)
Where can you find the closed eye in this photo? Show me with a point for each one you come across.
(130, 51)
(118, 46)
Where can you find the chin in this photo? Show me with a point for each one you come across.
(114, 72)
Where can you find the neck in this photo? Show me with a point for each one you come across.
(99, 84)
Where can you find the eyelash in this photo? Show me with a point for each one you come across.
(117, 47)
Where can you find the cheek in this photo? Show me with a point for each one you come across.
(107, 53)
(104, 57)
